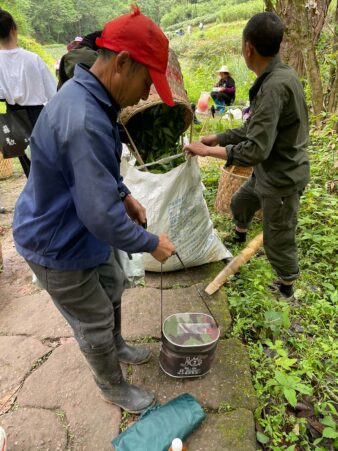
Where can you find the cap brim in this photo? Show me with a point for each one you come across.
(162, 86)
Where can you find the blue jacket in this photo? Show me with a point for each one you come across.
(71, 210)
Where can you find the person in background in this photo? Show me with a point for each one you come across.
(75, 43)
(84, 52)
(75, 210)
(274, 141)
(225, 91)
(25, 80)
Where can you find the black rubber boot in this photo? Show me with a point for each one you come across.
(114, 389)
(131, 355)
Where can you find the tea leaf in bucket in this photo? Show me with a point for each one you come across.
(156, 132)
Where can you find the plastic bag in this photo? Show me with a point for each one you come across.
(133, 268)
(175, 205)
(159, 425)
(15, 131)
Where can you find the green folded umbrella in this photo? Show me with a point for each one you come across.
(160, 424)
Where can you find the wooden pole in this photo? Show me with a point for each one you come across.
(234, 265)
(133, 148)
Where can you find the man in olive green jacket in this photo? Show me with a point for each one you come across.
(274, 141)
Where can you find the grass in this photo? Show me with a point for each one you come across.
(56, 51)
(293, 348)
(202, 53)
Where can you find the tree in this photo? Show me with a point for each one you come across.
(19, 10)
(304, 21)
(332, 97)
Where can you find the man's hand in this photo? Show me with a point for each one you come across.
(210, 140)
(135, 210)
(164, 250)
(197, 148)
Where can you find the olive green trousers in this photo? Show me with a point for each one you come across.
(279, 225)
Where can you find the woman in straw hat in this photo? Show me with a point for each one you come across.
(225, 89)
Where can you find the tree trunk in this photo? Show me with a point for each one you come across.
(332, 97)
(313, 73)
(308, 33)
(303, 21)
(291, 48)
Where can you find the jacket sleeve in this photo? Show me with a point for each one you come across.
(261, 130)
(230, 86)
(233, 136)
(96, 195)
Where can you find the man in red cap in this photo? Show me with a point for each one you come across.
(75, 210)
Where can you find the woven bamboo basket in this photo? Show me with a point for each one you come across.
(176, 84)
(230, 180)
(6, 167)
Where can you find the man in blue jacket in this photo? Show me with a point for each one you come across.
(75, 210)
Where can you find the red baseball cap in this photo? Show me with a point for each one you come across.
(146, 44)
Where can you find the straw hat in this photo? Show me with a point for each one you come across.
(223, 69)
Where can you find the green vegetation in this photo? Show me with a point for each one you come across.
(51, 21)
(156, 135)
(182, 14)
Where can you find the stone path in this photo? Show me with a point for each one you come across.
(48, 399)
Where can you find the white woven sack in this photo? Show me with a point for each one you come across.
(175, 205)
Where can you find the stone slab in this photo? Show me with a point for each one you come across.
(34, 429)
(141, 309)
(199, 274)
(17, 355)
(232, 431)
(65, 382)
(35, 316)
(227, 385)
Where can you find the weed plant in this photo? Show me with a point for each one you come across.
(292, 346)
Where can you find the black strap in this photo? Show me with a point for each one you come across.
(193, 283)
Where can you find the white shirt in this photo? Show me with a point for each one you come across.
(24, 78)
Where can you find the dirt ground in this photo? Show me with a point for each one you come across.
(16, 277)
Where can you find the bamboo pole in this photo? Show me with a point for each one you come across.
(234, 265)
(133, 147)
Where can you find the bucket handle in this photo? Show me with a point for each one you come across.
(193, 283)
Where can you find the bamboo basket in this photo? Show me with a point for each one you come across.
(176, 84)
(6, 167)
(230, 180)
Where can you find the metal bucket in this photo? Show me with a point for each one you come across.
(189, 342)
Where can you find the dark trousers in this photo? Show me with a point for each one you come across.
(33, 114)
(222, 97)
(279, 225)
(87, 299)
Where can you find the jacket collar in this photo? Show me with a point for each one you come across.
(259, 81)
(91, 83)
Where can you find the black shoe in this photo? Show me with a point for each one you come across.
(129, 397)
(114, 389)
(238, 238)
(196, 121)
(281, 291)
(132, 355)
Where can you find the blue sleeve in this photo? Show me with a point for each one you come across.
(88, 166)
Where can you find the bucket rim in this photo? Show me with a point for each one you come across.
(191, 346)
